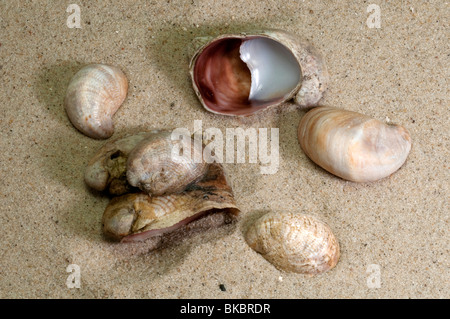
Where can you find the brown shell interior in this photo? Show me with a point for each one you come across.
(224, 80)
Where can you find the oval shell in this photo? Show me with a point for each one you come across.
(93, 96)
(351, 145)
(151, 165)
(294, 242)
(224, 83)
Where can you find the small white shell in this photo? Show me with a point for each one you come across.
(351, 145)
(294, 242)
(93, 96)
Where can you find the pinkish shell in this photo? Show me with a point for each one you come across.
(222, 81)
(351, 145)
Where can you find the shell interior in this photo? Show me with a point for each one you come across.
(239, 76)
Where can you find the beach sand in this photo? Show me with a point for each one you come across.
(396, 228)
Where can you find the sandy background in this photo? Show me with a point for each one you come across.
(50, 219)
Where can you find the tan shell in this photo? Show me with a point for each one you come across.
(294, 242)
(107, 169)
(137, 217)
(314, 77)
(93, 96)
(152, 168)
(351, 145)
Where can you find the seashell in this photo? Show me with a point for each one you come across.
(294, 242)
(138, 216)
(151, 165)
(93, 96)
(107, 169)
(240, 74)
(353, 146)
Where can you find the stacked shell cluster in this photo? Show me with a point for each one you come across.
(234, 75)
(155, 195)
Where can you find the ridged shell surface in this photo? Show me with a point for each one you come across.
(151, 165)
(294, 242)
(93, 96)
(351, 145)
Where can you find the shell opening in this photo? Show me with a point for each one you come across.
(153, 232)
(238, 76)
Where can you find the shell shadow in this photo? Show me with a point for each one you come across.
(84, 219)
(249, 218)
(50, 87)
(62, 159)
(287, 123)
(291, 150)
(170, 254)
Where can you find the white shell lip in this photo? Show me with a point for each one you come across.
(93, 96)
(274, 70)
(314, 74)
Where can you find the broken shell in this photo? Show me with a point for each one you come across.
(107, 169)
(245, 73)
(138, 216)
(93, 96)
(294, 242)
(351, 145)
(153, 167)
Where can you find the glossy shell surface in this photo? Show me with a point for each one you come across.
(351, 145)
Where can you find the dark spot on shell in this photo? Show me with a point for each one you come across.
(115, 155)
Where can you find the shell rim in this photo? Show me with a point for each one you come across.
(243, 35)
